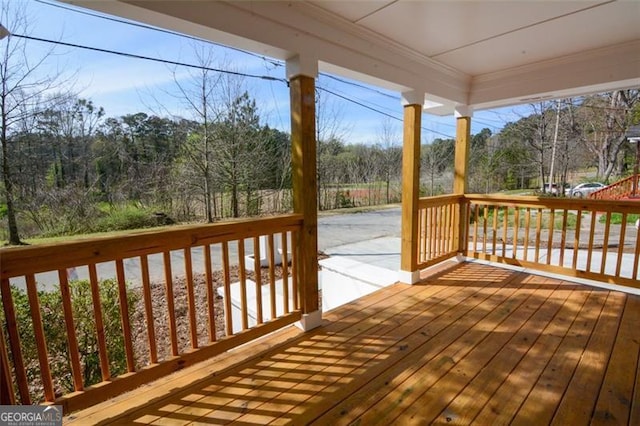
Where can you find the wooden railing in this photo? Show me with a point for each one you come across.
(438, 224)
(621, 189)
(165, 319)
(572, 237)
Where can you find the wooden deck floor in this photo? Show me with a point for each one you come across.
(473, 344)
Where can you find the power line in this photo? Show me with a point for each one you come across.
(272, 61)
(157, 29)
(184, 64)
(378, 111)
(149, 58)
(362, 86)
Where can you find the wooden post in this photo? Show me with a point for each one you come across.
(412, 101)
(460, 179)
(301, 72)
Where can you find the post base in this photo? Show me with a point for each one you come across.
(409, 277)
(310, 321)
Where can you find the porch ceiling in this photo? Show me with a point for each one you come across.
(483, 54)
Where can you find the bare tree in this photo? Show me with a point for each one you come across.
(606, 120)
(198, 94)
(23, 85)
(391, 154)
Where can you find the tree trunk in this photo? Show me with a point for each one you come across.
(14, 236)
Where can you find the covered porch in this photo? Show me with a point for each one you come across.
(469, 343)
(460, 343)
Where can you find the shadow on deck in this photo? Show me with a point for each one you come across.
(471, 344)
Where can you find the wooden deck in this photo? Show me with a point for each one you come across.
(470, 344)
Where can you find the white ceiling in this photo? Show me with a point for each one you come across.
(479, 53)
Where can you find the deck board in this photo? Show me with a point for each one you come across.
(470, 344)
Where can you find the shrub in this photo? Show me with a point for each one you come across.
(56, 335)
(127, 217)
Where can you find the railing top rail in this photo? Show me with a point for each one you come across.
(438, 200)
(621, 206)
(18, 261)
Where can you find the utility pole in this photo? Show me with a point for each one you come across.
(553, 151)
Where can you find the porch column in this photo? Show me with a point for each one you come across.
(301, 72)
(461, 164)
(412, 102)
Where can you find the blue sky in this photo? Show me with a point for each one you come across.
(126, 85)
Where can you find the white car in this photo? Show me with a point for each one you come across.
(585, 189)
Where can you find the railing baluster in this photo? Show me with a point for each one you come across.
(436, 232)
(285, 273)
(97, 313)
(433, 221)
(516, 229)
(242, 274)
(476, 212)
(623, 231)
(505, 224)
(72, 341)
(576, 241)
(636, 260)
(7, 394)
(605, 243)
(208, 272)
(191, 302)
(168, 280)
(552, 219)
(485, 218)
(41, 344)
(494, 242)
(272, 276)
(124, 316)
(427, 233)
(436, 250)
(257, 268)
(538, 231)
(148, 309)
(591, 237)
(563, 237)
(441, 222)
(227, 289)
(527, 229)
(14, 342)
(450, 222)
(422, 219)
(294, 270)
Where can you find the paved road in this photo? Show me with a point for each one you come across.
(340, 229)
(333, 230)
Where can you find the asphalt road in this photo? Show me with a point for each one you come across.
(333, 230)
(339, 229)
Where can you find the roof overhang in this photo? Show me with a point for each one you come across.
(343, 45)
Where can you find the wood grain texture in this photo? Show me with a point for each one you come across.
(472, 344)
(410, 187)
(305, 186)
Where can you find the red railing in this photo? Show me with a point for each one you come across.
(622, 189)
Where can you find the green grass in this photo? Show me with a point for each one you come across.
(616, 218)
(557, 219)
